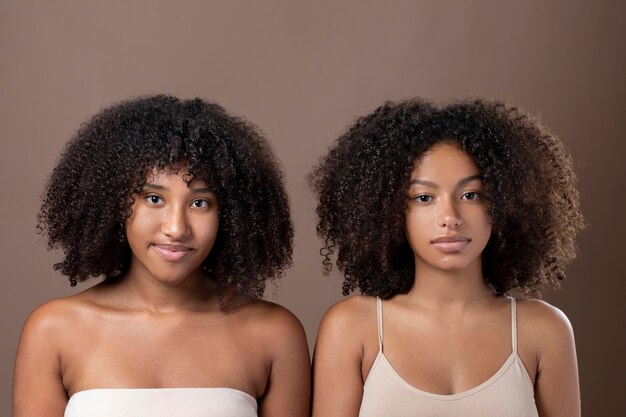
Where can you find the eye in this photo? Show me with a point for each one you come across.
(423, 198)
(154, 199)
(472, 195)
(199, 203)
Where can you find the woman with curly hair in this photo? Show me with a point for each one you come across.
(437, 214)
(181, 208)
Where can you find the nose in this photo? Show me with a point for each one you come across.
(449, 215)
(175, 224)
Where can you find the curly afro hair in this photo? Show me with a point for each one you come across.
(528, 179)
(90, 192)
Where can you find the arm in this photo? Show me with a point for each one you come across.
(37, 384)
(557, 391)
(288, 391)
(338, 382)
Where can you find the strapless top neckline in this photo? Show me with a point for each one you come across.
(162, 389)
(161, 402)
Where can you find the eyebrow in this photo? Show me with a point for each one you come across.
(462, 182)
(193, 190)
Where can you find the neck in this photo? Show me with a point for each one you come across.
(196, 292)
(439, 289)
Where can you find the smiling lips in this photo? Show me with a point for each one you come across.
(450, 243)
(171, 253)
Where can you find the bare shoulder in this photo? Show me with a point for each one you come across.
(547, 338)
(58, 319)
(349, 320)
(542, 314)
(350, 310)
(46, 333)
(543, 324)
(278, 335)
(272, 324)
(269, 315)
(51, 317)
(344, 352)
(38, 377)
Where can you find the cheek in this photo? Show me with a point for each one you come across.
(141, 226)
(485, 227)
(135, 234)
(417, 227)
(206, 229)
(141, 221)
(487, 220)
(214, 227)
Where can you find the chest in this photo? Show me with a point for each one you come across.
(445, 363)
(447, 358)
(172, 352)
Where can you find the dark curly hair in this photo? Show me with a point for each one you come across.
(90, 192)
(528, 179)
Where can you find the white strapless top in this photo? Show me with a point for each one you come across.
(161, 402)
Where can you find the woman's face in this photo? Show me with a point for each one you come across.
(447, 223)
(173, 226)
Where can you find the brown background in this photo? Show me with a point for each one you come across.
(302, 71)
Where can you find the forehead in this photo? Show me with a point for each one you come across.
(444, 162)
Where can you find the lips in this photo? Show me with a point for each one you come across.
(171, 253)
(450, 243)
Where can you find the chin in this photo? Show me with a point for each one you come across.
(450, 267)
(171, 279)
(454, 263)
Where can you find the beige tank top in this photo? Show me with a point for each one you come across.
(509, 392)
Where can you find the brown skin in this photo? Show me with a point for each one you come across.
(161, 325)
(458, 358)
(449, 333)
(98, 339)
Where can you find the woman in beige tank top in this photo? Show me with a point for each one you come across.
(181, 208)
(436, 214)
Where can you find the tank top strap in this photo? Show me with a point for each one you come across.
(513, 324)
(379, 319)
